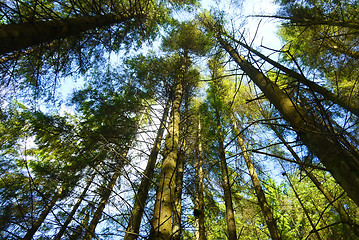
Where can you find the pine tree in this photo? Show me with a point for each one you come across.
(312, 133)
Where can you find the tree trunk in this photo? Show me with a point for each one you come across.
(262, 201)
(162, 215)
(312, 85)
(90, 230)
(176, 226)
(217, 106)
(231, 223)
(19, 36)
(343, 164)
(177, 211)
(200, 233)
(74, 209)
(142, 194)
(35, 226)
(80, 230)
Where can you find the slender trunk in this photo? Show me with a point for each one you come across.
(262, 201)
(337, 206)
(343, 164)
(74, 209)
(177, 211)
(19, 36)
(200, 233)
(218, 112)
(142, 194)
(231, 223)
(35, 226)
(162, 215)
(176, 226)
(312, 85)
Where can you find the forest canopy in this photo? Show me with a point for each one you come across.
(154, 119)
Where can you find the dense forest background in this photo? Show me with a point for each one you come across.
(146, 119)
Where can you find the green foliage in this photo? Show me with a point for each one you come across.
(187, 37)
(322, 39)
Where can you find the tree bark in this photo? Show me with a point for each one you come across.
(35, 226)
(217, 106)
(176, 226)
(80, 230)
(262, 201)
(19, 36)
(181, 161)
(231, 223)
(142, 194)
(162, 215)
(200, 233)
(343, 164)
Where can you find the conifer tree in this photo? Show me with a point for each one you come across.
(311, 131)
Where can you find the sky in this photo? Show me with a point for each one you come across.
(267, 29)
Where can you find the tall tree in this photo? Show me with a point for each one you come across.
(309, 129)
(217, 103)
(74, 208)
(198, 211)
(322, 36)
(35, 226)
(337, 206)
(302, 79)
(162, 217)
(182, 41)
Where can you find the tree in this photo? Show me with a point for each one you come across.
(19, 36)
(22, 34)
(262, 201)
(310, 130)
(302, 79)
(198, 211)
(162, 217)
(183, 76)
(216, 102)
(74, 208)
